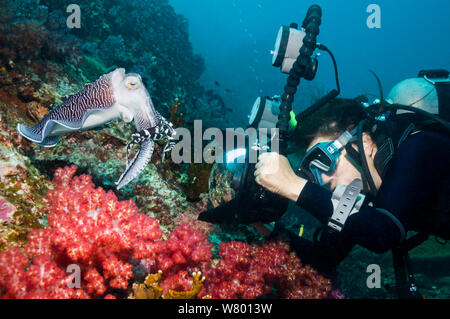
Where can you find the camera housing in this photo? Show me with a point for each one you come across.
(293, 54)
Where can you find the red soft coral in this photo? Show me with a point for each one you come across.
(247, 271)
(87, 227)
(90, 230)
(186, 251)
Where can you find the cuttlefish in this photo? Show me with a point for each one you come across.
(113, 95)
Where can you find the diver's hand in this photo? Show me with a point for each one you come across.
(274, 172)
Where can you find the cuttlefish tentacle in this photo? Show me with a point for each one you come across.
(113, 95)
(169, 133)
(145, 138)
(137, 164)
(166, 131)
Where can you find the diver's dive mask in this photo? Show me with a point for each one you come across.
(323, 158)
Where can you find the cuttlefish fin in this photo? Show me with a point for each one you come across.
(43, 133)
(30, 134)
(48, 141)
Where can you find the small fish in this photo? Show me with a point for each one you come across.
(228, 90)
(216, 83)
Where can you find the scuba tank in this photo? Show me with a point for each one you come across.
(421, 103)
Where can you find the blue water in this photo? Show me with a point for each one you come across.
(236, 36)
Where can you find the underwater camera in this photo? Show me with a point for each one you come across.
(235, 195)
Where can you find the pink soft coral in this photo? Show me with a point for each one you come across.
(247, 271)
(87, 227)
(91, 229)
(185, 252)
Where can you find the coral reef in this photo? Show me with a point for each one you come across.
(35, 32)
(247, 271)
(186, 251)
(90, 228)
(151, 289)
(87, 227)
(198, 175)
(21, 190)
(112, 244)
(24, 36)
(31, 82)
(45, 227)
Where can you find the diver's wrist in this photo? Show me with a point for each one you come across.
(295, 188)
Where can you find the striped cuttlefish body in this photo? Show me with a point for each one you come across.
(113, 95)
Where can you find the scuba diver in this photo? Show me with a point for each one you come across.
(371, 173)
(399, 161)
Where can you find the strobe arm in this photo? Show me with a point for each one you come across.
(300, 69)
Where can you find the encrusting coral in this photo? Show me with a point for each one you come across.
(151, 289)
(21, 189)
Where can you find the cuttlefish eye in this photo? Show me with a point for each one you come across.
(132, 83)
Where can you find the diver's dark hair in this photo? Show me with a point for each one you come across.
(332, 120)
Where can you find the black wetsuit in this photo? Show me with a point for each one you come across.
(416, 185)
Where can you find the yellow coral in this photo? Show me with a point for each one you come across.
(151, 289)
(190, 294)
